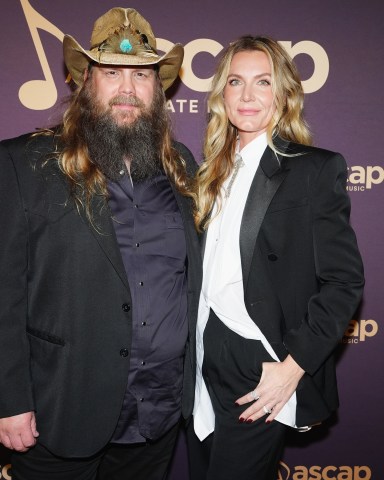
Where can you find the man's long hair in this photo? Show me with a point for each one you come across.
(85, 179)
(220, 138)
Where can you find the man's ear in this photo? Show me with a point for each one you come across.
(85, 74)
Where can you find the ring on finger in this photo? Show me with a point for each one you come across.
(267, 410)
(254, 395)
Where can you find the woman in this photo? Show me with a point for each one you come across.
(282, 270)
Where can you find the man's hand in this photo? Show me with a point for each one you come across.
(19, 432)
(277, 384)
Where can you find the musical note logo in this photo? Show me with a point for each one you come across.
(39, 94)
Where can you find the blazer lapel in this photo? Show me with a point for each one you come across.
(203, 241)
(185, 207)
(267, 180)
(104, 234)
(102, 230)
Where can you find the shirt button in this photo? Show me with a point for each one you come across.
(136, 206)
(143, 324)
(272, 257)
(124, 352)
(141, 284)
(141, 399)
(143, 363)
(126, 307)
(137, 244)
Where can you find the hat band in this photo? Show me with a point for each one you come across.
(126, 40)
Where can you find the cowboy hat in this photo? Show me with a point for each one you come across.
(122, 37)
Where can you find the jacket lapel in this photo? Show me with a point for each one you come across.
(203, 241)
(268, 178)
(104, 234)
(102, 230)
(185, 207)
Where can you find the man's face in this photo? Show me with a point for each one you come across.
(123, 120)
(125, 92)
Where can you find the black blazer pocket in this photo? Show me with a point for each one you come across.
(52, 200)
(48, 337)
(278, 206)
(53, 212)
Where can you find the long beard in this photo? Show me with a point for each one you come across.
(110, 143)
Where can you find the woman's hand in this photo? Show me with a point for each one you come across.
(277, 383)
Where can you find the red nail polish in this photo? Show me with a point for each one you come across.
(249, 420)
(241, 420)
(268, 421)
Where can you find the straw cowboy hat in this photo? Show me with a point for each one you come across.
(122, 37)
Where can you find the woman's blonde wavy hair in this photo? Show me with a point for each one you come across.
(220, 138)
(85, 179)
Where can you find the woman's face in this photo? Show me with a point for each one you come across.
(248, 97)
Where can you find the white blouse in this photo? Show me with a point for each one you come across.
(222, 289)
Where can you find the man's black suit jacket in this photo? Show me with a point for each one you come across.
(65, 316)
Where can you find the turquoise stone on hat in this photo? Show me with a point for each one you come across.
(125, 46)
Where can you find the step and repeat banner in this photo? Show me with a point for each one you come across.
(338, 47)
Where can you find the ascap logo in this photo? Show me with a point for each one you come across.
(361, 178)
(206, 45)
(330, 472)
(359, 331)
(5, 472)
(284, 472)
(41, 93)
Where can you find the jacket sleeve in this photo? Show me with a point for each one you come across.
(338, 266)
(15, 382)
(186, 155)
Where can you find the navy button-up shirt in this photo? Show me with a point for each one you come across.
(151, 238)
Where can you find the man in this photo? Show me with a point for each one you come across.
(99, 265)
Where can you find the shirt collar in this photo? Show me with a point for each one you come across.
(254, 150)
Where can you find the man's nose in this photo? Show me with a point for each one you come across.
(126, 86)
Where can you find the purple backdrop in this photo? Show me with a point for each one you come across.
(338, 48)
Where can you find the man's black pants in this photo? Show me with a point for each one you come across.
(147, 461)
